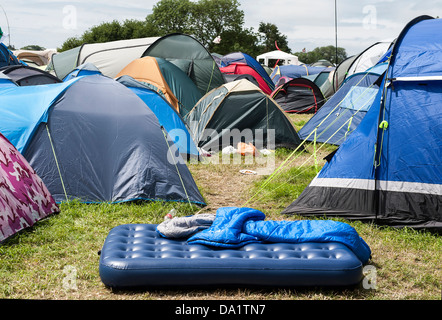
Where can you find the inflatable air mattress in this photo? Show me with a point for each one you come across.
(136, 255)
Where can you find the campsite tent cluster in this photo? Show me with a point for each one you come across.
(116, 122)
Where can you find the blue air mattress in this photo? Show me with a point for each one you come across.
(136, 255)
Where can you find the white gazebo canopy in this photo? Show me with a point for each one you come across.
(277, 55)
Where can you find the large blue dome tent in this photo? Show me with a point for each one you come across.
(389, 170)
(156, 102)
(93, 139)
(167, 116)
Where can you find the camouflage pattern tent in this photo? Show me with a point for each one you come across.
(24, 198)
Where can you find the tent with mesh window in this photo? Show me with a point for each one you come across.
(343, 112)
(389, 169)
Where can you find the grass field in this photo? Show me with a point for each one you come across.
(58, 258)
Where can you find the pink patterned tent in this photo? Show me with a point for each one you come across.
(24, 199)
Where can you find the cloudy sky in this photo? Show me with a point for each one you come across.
(306, 23)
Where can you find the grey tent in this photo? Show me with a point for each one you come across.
(28, 76)
(239, 111)
(299, 95)
(360, 62)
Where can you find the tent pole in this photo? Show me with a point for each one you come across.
(336, 33)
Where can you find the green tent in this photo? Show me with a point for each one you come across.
(191, 57)
(239, 111)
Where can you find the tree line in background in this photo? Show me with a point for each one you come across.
(205, 20)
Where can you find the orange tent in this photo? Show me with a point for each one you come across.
(147, 70)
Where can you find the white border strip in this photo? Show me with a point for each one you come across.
(364, 184)
(427, 78)
(411, 187)
(367, 184)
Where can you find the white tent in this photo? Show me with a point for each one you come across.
(35, 58)
(287, 58)
(108, 57)
(369, 57)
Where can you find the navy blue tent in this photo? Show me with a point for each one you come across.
(343, 112)
(94, 140)
(294, 71)
(7, 58)
(167, 116)
(389, 170)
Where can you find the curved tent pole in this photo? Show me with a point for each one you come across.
(56, 162)
(176, 167)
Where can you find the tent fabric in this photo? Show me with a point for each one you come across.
(64, 62)
(293, 71)
(24, 198)
(94, 140)
(343, 112)
(244, 69)
(234, 77)
(389, 169)
(28, 76)
(36, 57)
(299, 95)
(15, 102)
(167, 116)
(324, 80)
(217, 57)
(5, 81)
(341, 72)
(322, 63)
(243, 58)
(369, 57)
(175, 85)
(109, 57)
(156, 102)
(85, 69)
(320, 78)
(7, 58)
(191, 57)
(241, 112)
(287, 58)
(361, 62)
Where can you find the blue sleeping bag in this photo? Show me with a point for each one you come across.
(235, 227)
